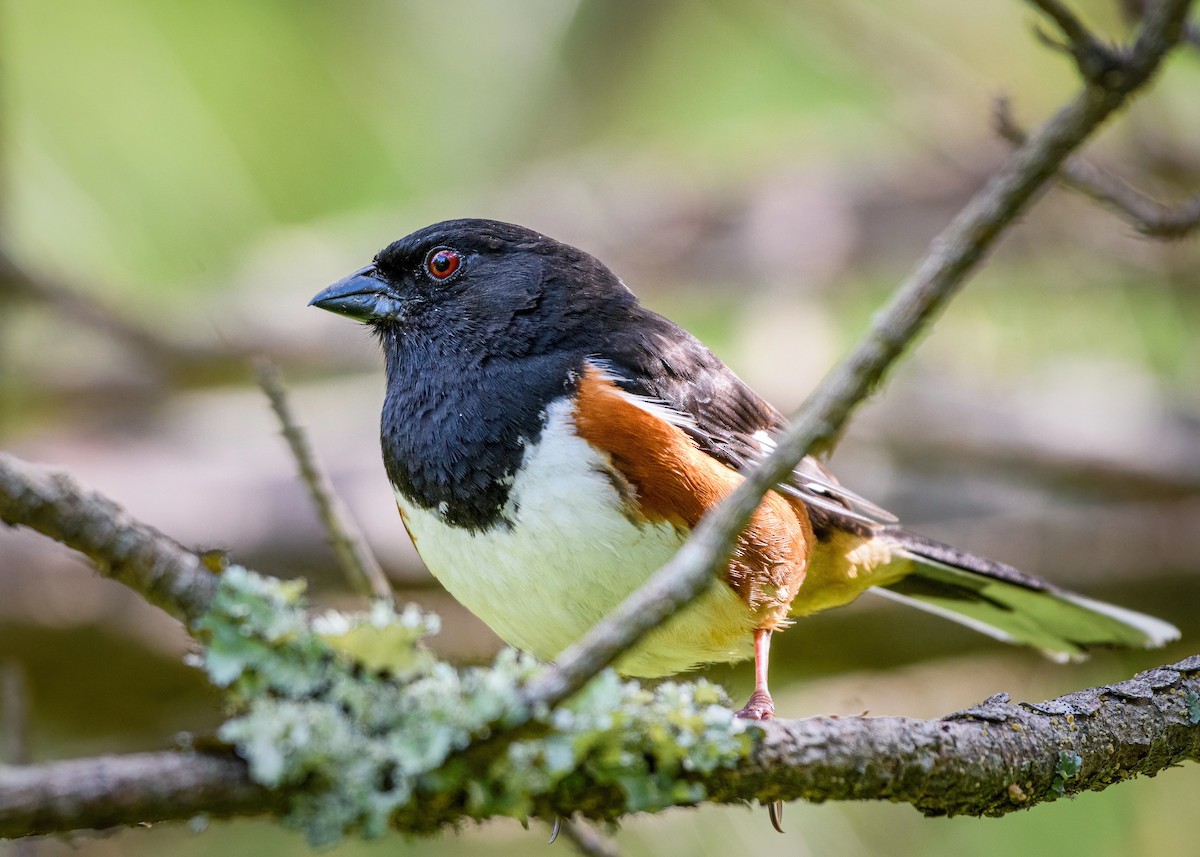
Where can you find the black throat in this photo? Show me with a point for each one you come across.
(455, 428)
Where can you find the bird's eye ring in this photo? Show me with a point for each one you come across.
(442, 263)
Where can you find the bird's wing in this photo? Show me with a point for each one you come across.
(668, 368)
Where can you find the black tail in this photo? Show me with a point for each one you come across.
(1015, 607)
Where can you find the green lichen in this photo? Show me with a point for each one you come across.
(361, 722)
(1068, 767)
(1192, 701)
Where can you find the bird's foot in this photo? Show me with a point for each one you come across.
(760, 706)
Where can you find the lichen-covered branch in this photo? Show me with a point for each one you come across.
(988, 760)
(159, 568)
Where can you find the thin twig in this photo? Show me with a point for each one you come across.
(14, 713)
(357, 561)
(1150, 217)
(1135, 9)
(14, 726)
(1094, 58)
(163, 571)
(992, 759)
(952, 257)
(587, 840)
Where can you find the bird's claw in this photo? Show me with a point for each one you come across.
(760, 706)
(775, 810)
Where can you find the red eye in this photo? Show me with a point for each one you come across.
(442, 263)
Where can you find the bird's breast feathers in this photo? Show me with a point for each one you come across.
(595, 508)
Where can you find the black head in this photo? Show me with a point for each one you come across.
(480, 285)
(483, 324)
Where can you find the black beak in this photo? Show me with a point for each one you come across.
(363, 295)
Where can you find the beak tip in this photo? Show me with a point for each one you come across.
(357, 296)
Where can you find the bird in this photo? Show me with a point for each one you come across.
(551, 442)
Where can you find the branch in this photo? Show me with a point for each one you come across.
(110, 791)
(159, 568)
(14, 731)
(1150, 217)
(1094, 59)
(14, 714)
(996, 757)
(1135, 9)
(988, 760)
(953, 255)
(348, 542)
(587, 840)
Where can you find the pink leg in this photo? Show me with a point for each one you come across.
(760, 705)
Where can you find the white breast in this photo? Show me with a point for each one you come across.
(569, 558)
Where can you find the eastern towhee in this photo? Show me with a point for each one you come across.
(551, 443)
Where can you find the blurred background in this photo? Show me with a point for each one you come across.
(179, 179)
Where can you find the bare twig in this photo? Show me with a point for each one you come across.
(163, 571)
(1149, 217)
(587, 840)
(1093, 57)
(14, 727)
(1065, 19)
(992, 759)
(1135, 9)
(953, 255)
(354, 556)
(14, 713)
